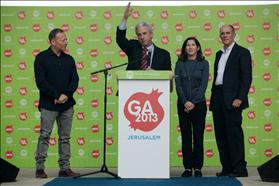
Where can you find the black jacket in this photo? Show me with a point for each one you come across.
(133, 49)
(237, 76)
(55, 76)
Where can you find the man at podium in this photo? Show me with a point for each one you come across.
(142, 53)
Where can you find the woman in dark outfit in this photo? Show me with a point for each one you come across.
(191, 78)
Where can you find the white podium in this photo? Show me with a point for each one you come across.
(144, 124)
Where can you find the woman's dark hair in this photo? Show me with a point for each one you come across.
(54, 32)
(184, 56)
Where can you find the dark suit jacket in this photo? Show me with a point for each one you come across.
(133, 49)
(237, 76)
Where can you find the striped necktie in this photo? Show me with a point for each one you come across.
(144, 60)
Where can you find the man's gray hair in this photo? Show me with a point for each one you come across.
(144, 24)
(228, 25)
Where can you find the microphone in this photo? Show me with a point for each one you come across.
(135, 60)
(140, 59)
(149, 53)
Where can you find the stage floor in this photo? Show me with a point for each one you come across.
(26, 176)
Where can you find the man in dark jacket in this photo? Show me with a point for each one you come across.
(57, 80)
(142, 53)
(232, 80)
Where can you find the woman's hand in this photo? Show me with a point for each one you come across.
(189, 106)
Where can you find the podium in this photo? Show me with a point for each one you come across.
(144, 124)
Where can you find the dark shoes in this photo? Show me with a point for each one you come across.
(65, 173)
(187, 173)
(197, 173)
(243, 173)
(222, 173)
(68, 173)
(41, 174)
(239, 174)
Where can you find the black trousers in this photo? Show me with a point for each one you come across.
(229, 134)
(192, 127)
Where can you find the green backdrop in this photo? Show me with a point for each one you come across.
(91, 33)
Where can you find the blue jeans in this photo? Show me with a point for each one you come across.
(64, 124)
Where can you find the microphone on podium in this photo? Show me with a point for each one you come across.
(149, 53)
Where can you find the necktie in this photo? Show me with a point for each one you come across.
(144, 59)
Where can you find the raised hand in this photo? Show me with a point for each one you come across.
(128, 12)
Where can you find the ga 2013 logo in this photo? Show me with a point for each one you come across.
(144, 111)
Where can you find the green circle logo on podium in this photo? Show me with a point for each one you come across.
(130, 75)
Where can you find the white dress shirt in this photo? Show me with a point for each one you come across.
(122, 25)
(222, 64)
